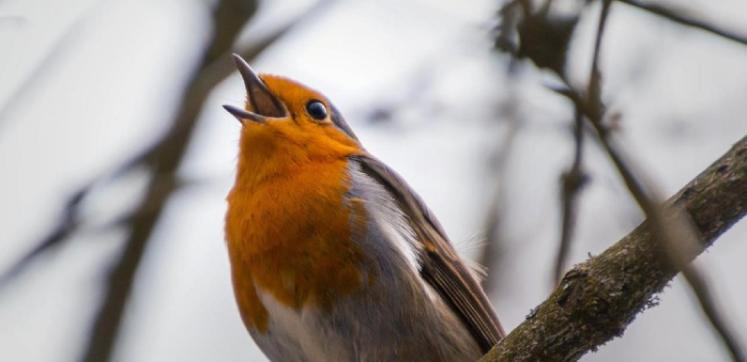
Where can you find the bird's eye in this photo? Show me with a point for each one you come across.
(316, 110)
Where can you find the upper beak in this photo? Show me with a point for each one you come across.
(262, 102)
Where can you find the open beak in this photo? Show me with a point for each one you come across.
(264, 104)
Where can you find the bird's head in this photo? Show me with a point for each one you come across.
(285, 123)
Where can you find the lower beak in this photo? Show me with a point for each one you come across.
(242, 115)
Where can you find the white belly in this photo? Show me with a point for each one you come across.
(296, 335)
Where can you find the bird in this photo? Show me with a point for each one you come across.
(333, 256)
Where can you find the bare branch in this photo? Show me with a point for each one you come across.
(67, 225)
(229, 16)
(669, 237)
(42, 69)
(702, 292)
(493, 249)
(676, 17)
(668, 231)
(594, 91)
(572, 181)
(574, 178)
(665, 231)
(161, 159)
(597, 299)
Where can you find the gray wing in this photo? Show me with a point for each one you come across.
(440, 265)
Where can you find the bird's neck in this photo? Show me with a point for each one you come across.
(265, 156)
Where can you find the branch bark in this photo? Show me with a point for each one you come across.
(597, 299)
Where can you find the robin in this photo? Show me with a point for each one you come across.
(333, 256)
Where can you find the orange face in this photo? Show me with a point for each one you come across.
(307, 132)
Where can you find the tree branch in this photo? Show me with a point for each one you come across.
(68, 224)
(598, 298)
(674, 233)
(674, 16)
(571, 182)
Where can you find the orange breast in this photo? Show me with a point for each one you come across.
(292, 236)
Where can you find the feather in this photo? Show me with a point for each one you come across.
(440, 265)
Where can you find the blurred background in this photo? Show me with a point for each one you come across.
(88, 85)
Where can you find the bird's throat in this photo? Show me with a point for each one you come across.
(292, 236)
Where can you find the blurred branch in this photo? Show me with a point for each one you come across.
(572, 181)
(65, 227)
(598, 298)
(707, 303)
(574, 178)
(164, 159)
(491, 255)
(229, 16)
(673, 15)
(47, 63)
(218, 70)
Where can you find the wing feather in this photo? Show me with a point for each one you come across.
(440, 264)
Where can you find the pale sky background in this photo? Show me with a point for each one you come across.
(109, 89)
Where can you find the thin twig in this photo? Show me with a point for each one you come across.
(574, 178)
(702, 292)
(665, 233)
(42, 68)
(594, 91)
(491, 253)
(673, 15)
(600, 297)
(66, 225)
(572, 181)
(663, 229)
